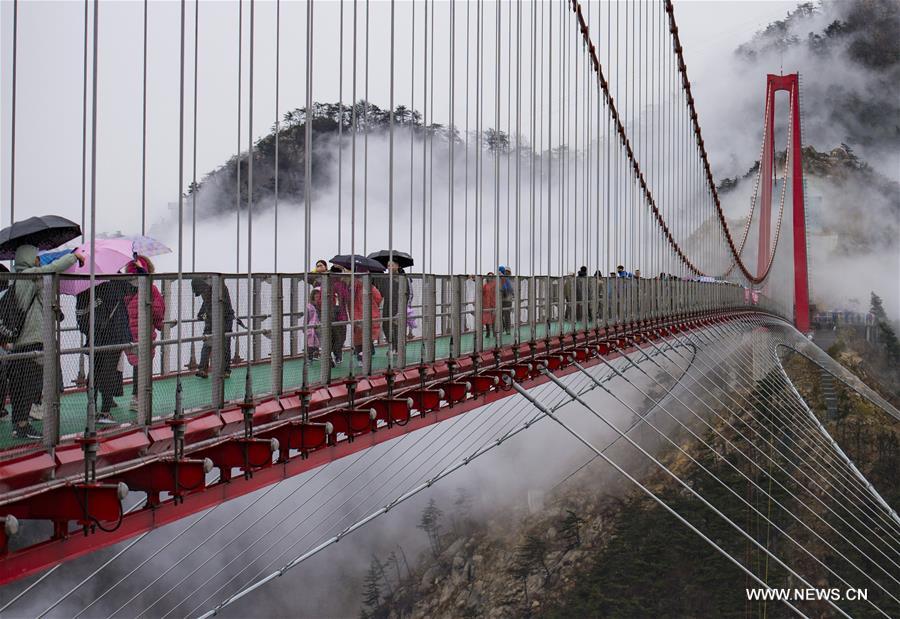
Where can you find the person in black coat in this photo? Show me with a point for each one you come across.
(394, 303)
(202, 289)
(110, 329)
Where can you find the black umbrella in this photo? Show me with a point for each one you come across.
(403, 260)
(363, 264)
(44, 232)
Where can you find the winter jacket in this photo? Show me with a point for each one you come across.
(340, 292)
(205, 313)
(358, 313)
(390, 292)
(312, 322)
(157, 316)
(28, 292)
(110, 312)
(488, 300)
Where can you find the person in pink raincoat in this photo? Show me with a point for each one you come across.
(141, 265)
(312, 322)
(488, 303)
(358, 316)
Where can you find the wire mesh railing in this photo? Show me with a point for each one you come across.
(285, 332)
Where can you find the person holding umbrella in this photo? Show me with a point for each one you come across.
(394, 305)
(29, 373)
(141, 266)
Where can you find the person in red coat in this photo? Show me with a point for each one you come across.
(141, 265)
(358, 316)
(488, 303)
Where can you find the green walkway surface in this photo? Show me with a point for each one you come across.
(197, 392)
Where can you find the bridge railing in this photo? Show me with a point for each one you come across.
(273, 326)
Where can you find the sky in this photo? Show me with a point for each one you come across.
(49, 87)
(50, 66)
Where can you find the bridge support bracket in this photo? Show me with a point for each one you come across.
(177, 477)
(87, 504)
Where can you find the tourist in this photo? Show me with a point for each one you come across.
(313, 307)
(488, 303)
(506, 297)
(202, 289)
(141, 266)
(110, 329)
(374, 312)
(29, 373)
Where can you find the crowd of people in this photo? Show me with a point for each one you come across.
(387, 300)
(116, 322)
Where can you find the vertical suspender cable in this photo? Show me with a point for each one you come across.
(466, 193)
(508, 132)
(476, 241)
(430, 60)
(84, 96)
(340, 129)
(178, 431)
(451, 134)
(143, 131)
(194, 188)
(89, 446)
(237, 199)
(366, 143)
(251, 353)
(278, 129)
(497, 290)
(424, 136)
(534, 146)
(194, 164)
(390, 301)
(353, 186)
(307, 183)
(412, 118)
(518, 143)
(549, 149)
(12, 129)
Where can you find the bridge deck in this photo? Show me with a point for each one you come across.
(196, 391)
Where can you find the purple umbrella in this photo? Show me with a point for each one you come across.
(109, 256)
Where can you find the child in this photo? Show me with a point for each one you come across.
(312, 322)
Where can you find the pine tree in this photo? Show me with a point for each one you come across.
(533, 552)
(570, 529)
(371, 591)
(887, 335)
(430, 522)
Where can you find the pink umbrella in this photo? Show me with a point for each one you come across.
(110, 255)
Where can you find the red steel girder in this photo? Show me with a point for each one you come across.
(176, 477)
(299, 435)
(349, 421)
(85, 503)
(425, 400)
(392, 410)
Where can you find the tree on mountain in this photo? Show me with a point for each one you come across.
(532, 553)
(570, 529)
(886, 332)
(430, 522)
(371, 591)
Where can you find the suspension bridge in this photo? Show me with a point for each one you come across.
(569, 147)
